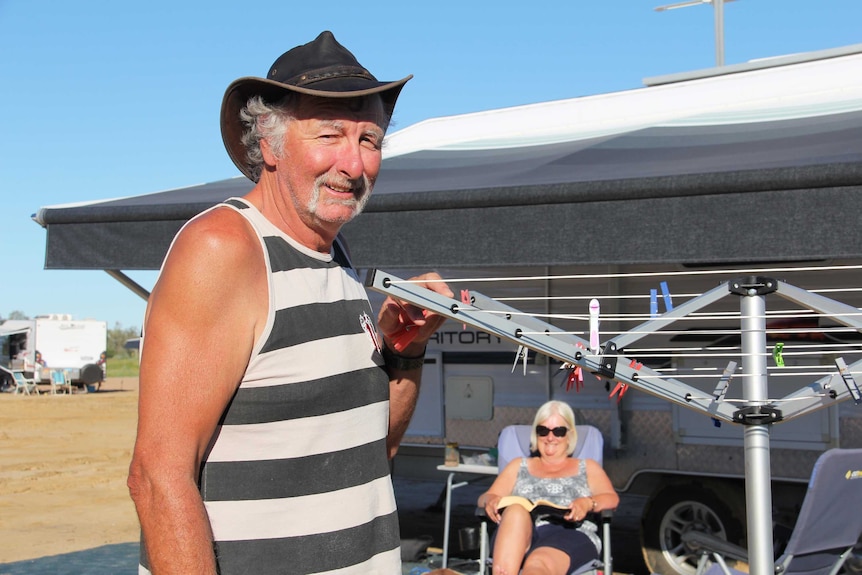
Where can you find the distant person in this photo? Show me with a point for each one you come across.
(269, 400)
(547, 544)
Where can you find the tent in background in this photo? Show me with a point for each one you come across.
(749, 163)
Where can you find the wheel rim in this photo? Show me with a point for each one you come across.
(681, 518)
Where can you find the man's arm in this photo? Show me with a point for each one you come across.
(199, 332)
(403, 362)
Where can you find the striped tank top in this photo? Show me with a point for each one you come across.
(297, 478)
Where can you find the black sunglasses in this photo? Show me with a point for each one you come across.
(542, 431)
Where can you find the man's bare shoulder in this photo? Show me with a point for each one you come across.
(220, 234)
(216, 262)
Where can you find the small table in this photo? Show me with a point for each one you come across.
(465, 468)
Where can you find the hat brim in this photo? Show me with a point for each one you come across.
(237, 94)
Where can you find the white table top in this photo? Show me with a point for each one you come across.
(470, 468)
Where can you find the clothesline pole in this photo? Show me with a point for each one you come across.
(758, 489)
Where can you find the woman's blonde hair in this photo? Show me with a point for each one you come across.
(563, 410)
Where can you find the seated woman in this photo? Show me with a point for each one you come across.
(548, 544)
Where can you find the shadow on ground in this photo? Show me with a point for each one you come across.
(421, 513)
(118, 559)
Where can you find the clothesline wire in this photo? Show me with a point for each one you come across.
(689, 355)
(702, 331)
(663, 377)
(695, 316)
(646, 296)
(640, 274)
(822, 347)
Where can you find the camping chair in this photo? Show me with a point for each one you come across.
(828, 527)
(59, 380)
(514, 442)
(23, 384)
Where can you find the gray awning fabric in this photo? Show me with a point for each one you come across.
(6, 331)
(786, 190)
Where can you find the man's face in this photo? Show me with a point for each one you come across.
(331, 158)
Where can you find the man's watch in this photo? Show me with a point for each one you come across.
(402, 362)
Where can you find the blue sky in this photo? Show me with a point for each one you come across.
(102, 99)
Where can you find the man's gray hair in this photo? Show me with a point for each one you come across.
(265, 121)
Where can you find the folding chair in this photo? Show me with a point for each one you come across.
(514, 442)
(23, 384)
(828, 527)
(59, 380)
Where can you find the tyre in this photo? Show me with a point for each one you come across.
(682, 508)
(91, 374)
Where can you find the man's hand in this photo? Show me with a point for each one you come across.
(405, 325)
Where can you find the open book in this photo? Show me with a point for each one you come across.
(540, 507)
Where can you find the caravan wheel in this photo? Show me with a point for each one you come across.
(677, 510)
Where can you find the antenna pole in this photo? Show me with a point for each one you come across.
(719, 32)
(718, 8)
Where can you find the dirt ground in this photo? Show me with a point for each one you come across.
(63, 465)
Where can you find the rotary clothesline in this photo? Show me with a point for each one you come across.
(755, 411)
(609, 361)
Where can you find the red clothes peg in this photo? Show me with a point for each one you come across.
(406, 333)
(465, 299)
(621, 388)
(575, 378)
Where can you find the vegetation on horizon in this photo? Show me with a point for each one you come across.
(123, 367)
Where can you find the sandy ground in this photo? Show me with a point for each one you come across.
(63, 465)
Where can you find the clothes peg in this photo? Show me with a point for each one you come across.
(579, 378)
(570, 379)
(407, 332)
(777, 354)
(465, 299)
(594, 325)
(722, 387)
(849, 380)
(653, 302)
(724, 383)
(665, 292)
(635, 365)
(575, 379)
(621, 389)
(521, 355)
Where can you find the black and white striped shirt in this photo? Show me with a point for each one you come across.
(297, 477)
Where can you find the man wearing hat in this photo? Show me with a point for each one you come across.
(269, 402)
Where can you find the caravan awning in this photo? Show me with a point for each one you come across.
(754, 167)
(6, 331)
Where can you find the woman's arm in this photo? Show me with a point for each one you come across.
(502, 486)
(604, 496)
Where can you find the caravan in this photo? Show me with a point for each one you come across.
(55, 342)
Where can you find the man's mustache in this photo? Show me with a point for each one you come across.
(358, 188)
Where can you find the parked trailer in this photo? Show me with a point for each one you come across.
(689, 470)
(55, 342)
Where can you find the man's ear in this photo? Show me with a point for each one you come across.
(269, 158)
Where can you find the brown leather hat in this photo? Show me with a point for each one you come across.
(322, 67)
